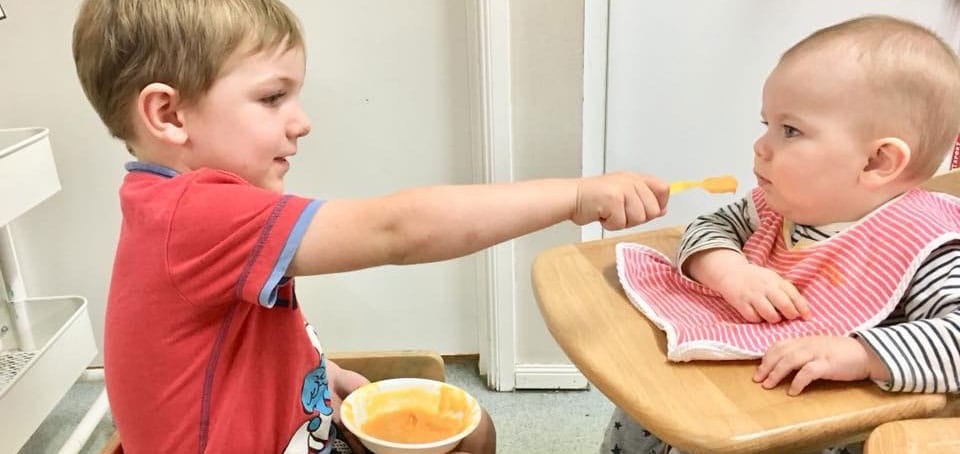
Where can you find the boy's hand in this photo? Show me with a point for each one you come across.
(620, 200)
(760, 294)
(818, 357)
(342, 382)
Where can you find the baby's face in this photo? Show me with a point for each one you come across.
(249, 121)
(809, 158)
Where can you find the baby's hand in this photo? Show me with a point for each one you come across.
(760, 294)
(816, 357)
(620, 200)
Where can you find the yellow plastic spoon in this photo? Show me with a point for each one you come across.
(713, 185)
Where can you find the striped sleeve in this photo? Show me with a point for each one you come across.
(727, 228)
(923, 354)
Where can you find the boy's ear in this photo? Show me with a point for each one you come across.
(888, 159)
(158, 108)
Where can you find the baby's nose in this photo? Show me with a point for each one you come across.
(760, 150)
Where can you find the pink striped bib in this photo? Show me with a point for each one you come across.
(852, 280)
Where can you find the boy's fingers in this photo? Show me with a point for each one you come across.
(347, 381)
(663, 196)
(634, 210)
(660, 190)
(616, 218)
(654, 203)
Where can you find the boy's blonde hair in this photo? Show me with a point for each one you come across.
(121, 46)
(912, 74)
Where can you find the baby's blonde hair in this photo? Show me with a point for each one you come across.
(121, 46)
(914, 75)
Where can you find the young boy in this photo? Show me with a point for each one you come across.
(205, 347)
(857, 114)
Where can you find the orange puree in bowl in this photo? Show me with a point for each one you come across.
(412, 426)
(416, 415)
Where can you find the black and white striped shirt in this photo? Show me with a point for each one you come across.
(919, 342)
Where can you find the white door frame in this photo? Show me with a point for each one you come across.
(593, 144)
(494, 141)
(596, 27)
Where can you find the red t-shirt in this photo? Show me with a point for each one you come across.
(205, 347)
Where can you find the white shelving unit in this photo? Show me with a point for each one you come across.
(45, 343)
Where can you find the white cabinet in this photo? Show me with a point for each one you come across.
(45, 343)
(28, 175)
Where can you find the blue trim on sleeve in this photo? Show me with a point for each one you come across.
(140, 166)
(268, 294)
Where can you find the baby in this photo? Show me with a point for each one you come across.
(837, 239)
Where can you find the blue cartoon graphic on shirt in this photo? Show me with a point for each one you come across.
(315, 397)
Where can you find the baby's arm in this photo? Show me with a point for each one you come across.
(710, 254)
(727, 228)
(921, 355)
(442, 222)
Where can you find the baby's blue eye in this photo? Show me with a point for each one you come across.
(790, 131)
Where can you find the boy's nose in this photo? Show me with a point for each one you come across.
(299, 125)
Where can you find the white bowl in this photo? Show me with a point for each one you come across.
(378, 398)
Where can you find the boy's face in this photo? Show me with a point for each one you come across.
(809, 160)
(249, 121)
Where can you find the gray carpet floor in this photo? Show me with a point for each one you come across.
(527, 422)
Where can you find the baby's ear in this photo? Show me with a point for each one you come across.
(888, 159)
(158, 111)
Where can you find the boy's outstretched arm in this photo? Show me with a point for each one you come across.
(441, 222)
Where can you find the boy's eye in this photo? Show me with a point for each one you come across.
(790, 131)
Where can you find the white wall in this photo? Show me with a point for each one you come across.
(683, 93)
(388, 91)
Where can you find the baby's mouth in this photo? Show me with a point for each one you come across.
(761, 180)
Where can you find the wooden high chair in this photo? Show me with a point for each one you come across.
(701, 406)
(374, 366)
(915, 436)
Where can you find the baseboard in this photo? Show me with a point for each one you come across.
(463, 358)
(549, 376)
